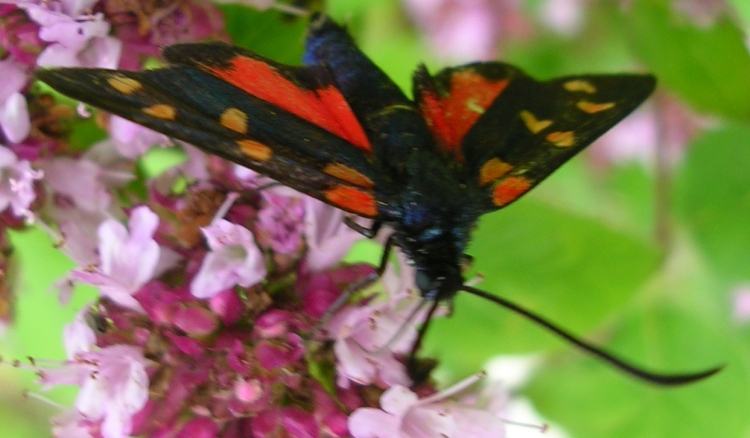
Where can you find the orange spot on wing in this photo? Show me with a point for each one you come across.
(450, 117)
(534, 125)
(561, 139)
(161, 111)
(353, 200)
(492, 170)
(234, 119)
(254, 150)
(580, 85)
(325, 107)
(124, 85)
(592, 108)
(509, 189)
(348, 174)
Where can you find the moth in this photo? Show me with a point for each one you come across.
(474, 138)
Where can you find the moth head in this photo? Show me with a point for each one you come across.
(439, 282)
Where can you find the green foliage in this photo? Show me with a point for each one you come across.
(708, 66)
(268, 33)
(569, 268)
(677, 328)
(714, 198)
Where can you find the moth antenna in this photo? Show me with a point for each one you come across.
(635, 371)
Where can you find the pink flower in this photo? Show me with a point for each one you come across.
(132, 140)
(704, 13)
(363, 333)
(114, 386)
(79, 234)
(200, 427)
(16, 183)
(79, 182)
(564, 16)
(279, 223)
(81, 201)
(78, 336)
(193, 168)
(14, 113)
(741, 303)
(234, 259)
(146, 27)
(19, 36)
(666, 123)
(128, 257)
(319, 290)
(278, 345)
(72, 424)
(289, 421)
(468, 30)
(76, 40)
(404, 415)
(328, 237)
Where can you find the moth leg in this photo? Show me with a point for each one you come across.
(420, 369)
(355, 287)
(367, 232)
(268, 186)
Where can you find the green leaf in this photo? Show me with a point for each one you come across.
(568, 268)
(623, 196)
(85, 133)
(590, 400)
(743, 10)
(159, 160)
(323, 372)
(268, 33)
(632, 192)
(709, 67)
(675, 329)
(713, 194)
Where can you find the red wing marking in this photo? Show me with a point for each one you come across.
(353, 200)
(509, 190)
(450, 117)
(325, 107)
(434, 113)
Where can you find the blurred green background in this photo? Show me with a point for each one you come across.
(641, 251)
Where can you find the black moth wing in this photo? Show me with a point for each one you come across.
(191, 104)
(532, 127)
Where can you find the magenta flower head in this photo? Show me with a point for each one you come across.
(221, 339)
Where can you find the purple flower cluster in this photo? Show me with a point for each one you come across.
(216, 313)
